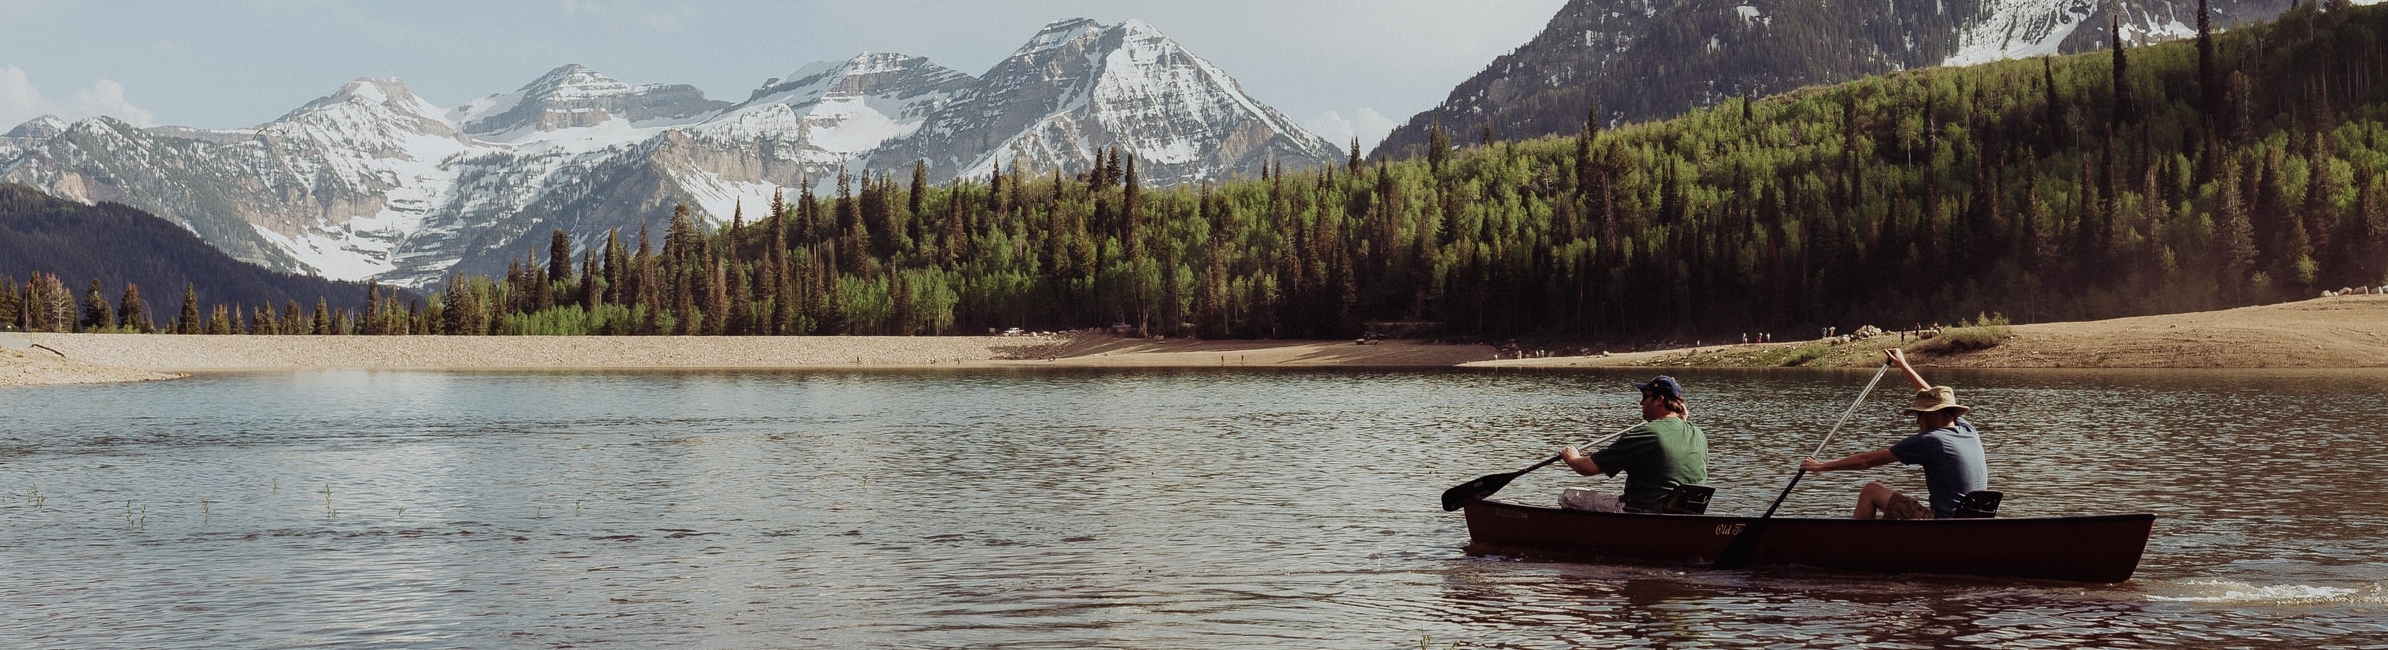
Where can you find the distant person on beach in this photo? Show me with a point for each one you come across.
(1663, 452)
(1946, 445)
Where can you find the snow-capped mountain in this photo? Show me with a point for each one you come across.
(1080, 86)
(577, 97)
(1651, 59)
(2008, 29)
(30, 134)
(375, 182)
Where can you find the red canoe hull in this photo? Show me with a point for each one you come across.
(2103, 548)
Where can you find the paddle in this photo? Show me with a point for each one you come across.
(1461, 495)
(1737, 554)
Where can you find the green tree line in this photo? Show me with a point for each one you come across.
(2225, 170)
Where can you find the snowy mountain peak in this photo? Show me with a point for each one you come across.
(44, 127)
(1057, 34)
(573, 81)
(369, 93)
(573, 96)
(1080, 87)
(1136, 27)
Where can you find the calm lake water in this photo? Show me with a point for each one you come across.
(1146, 509)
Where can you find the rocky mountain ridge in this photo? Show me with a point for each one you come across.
(373, 181)
(1652, 59)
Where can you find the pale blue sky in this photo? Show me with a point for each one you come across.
(235, 63)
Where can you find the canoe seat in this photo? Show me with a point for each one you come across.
(1979, 504)
(1687, 500)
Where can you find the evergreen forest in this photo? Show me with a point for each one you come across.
(2230, 169)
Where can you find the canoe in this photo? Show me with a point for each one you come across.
(2101, 548)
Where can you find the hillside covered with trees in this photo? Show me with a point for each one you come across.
(2233, 169)
(130, 257)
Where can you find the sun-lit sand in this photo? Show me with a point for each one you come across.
(2338, 332)
(2341, 332)
(47, 358)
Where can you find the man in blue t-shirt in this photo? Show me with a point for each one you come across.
(1948, 448)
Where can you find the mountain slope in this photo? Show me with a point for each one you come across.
(115, 244)
(1651, 59)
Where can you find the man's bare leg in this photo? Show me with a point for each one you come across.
(1871, 501)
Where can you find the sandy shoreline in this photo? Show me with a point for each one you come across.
(2341, 332)
(2338, 332)
(52, 358)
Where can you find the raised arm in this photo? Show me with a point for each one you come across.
(1898, 357)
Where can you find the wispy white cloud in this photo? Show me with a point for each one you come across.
(20, 100)
(107, 98)
(1366, 124)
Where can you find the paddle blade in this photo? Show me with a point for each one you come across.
(1745, 546)
(1465, 493)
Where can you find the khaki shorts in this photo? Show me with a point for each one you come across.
(1584, 498)
(1902, 506)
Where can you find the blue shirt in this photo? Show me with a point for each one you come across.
(1952, 461)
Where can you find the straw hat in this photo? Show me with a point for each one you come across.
(1934, 399)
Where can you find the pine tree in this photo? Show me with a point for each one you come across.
(373, 317)
(2209, 77)
(2053, 103)
(1353, 165)
(916, 206)
(23, 318)
(2124, 111)
(189, 322)
(10, 297)
(135, 314)
(1438, 146)
(679, 255)
(592, 287)
(292, 321)
(323, 318)
(1132, 211)
(97, 315)
(559, 255)
(219, 320)
(617, 268)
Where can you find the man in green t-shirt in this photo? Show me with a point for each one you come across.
(1663, 452)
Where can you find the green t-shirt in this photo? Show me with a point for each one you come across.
(1656, 457)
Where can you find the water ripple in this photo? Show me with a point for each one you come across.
(1145, 509)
